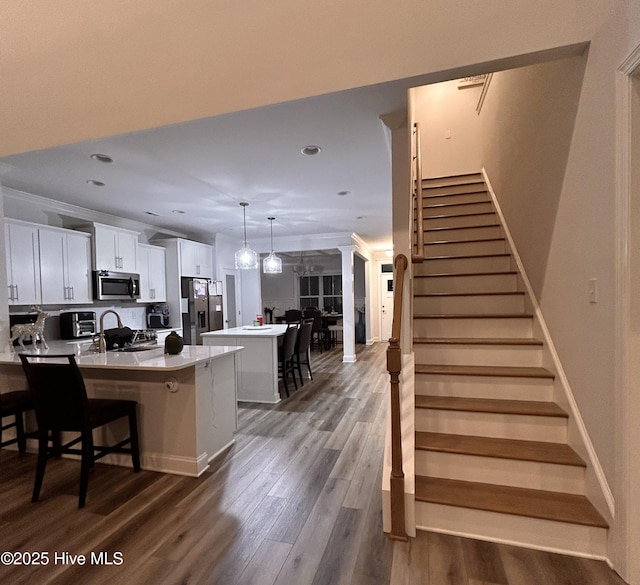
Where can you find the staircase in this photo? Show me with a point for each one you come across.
(492, 459)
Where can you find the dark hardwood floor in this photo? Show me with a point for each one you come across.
(295, 501)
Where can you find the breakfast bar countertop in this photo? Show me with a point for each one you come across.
(148, 360)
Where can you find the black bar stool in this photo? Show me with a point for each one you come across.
(61, 404)
(15, 404)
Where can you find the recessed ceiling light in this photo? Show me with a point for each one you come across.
(152, 213)
(360, 217)
(311, 150)
(343, 193)
(95, 183)
(178, 211)
(104, 158)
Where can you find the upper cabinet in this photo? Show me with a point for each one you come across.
(65, 266)
(151, 266)
(47, 265)
(23, 263)
(196, 259)
(114, 248)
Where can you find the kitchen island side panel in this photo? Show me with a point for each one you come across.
(257, 365)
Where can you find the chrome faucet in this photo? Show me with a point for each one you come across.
(102, 346)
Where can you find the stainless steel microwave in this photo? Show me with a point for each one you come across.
(115, 286)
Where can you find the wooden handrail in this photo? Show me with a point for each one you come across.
(417, 216)
(394, 366)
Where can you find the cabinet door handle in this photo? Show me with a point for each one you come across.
(198, 269)
(11, 292)
(17, 297)
(71, 295)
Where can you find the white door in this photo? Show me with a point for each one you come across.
(386, 304)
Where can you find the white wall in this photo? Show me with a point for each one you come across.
(449, 128)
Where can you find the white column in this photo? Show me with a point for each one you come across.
(348, 305)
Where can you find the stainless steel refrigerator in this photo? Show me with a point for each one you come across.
(201, 310)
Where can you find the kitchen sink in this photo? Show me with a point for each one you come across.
(137, 348)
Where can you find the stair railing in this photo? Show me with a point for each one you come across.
(418, 219)
(394, 367)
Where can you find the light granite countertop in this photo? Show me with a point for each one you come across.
(151, 360)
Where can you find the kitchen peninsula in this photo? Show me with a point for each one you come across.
(187, 402)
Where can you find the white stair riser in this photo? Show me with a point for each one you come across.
(486, 424)
(466, 284)
(471, 178)
(473, 355)
(459, 220)
(453, 265)
(478, 327)
(497, 387)
(481, 232)
(494, 470)
(442, 209)
(466, 248)
(508, 304)
(560, 537)
(430, 189)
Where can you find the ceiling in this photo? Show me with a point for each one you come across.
(193, 176)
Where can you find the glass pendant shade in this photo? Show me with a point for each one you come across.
(246, 258)
(272, 264)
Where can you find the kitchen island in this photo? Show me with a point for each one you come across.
(258, 364)
(187, 402)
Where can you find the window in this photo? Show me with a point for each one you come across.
(322, 292)
(309, 291)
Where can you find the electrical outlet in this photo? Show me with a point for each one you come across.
(592, 288)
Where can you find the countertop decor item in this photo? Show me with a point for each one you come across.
(173, 344)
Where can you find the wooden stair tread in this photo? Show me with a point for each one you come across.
(452, 274)
(475, 241)
(494, 371)
(459, 204)
(538, 451)
(467, 257)
(426, 195)
(490, 405)
(461, 227)
(545, 505)
(477, 341)
(469, 294)
(453, 215)
(476, 316)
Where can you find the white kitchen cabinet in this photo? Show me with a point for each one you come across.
(151, 267)
(196, 259)
(114, 248)
(23, 263)
(65, 266)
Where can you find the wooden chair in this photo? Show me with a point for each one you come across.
(302, 354)
(61, 404)
(285, 359)
(319, 332)
(15, 404)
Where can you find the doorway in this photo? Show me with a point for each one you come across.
(386, 301)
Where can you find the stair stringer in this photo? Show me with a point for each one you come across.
(597, 489)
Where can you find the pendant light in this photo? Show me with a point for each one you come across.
(272, 264)
(246, 258)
